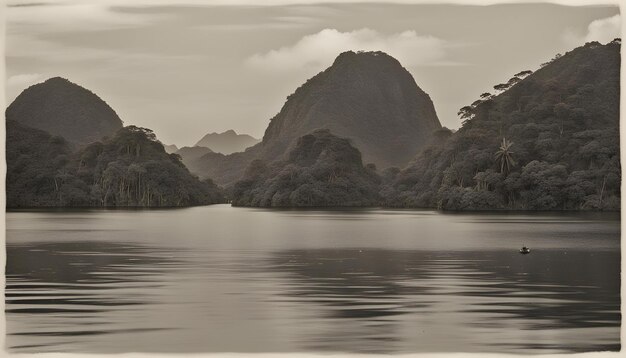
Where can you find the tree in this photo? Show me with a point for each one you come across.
(523, 74)
(513, 81)
(501, 87)
(504, 156)
(466, 112)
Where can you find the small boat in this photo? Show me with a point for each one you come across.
(524, 250)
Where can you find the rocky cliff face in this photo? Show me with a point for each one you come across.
(63, 108)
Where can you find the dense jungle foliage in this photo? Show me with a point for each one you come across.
(129, 169)
(320, 170)
(548, 141)
(33, 159)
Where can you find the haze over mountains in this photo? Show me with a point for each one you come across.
(171, 148)
(190, 154)
(360, 133)
(227, 142)
(219, 143)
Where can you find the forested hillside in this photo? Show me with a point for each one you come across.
(320, 170)
(129, 169)
(547, 140)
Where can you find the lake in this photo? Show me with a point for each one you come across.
(224, 279)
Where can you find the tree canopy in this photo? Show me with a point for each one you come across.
(320, 170)
(129, 169)
(554, 135)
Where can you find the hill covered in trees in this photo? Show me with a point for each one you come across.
(66, 109)
(129, 169)
(547, 140)
(320, 170)
(367, 97)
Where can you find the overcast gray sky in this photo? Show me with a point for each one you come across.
(194, 68)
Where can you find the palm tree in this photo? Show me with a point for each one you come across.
(504, 156)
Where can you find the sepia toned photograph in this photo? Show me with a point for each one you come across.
(320, 177)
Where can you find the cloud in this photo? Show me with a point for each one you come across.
(601, 30)
(24, 80)
(320, 49)
(604, 30)
(63, 16)
(278, 22)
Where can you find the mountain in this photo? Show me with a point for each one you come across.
(227, 142)
(190, 154)
(171, 148)
(548, 141)
(63, 108)
(320, 170)
(367, 97)
(129, 169)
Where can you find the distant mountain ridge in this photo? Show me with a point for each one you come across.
(61, 107)
(367, 97)
(190, 154)
(171, 148)
(227, 142)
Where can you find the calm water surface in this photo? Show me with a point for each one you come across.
(222, 279)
